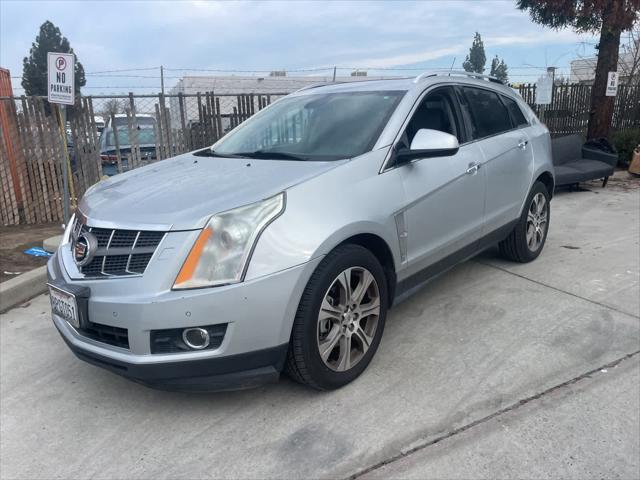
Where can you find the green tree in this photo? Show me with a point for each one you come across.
(499, 69)
(34, 67)
(476, 59)
(610, 18)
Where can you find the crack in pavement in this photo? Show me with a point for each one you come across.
(489, 417)
(542, 284)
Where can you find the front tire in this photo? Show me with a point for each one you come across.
(340, 319)
(526, 240)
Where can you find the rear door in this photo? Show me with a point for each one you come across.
(445, 195)
(507, 154)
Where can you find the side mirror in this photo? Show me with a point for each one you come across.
(428, 143)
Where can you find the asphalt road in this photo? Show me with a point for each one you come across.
(492, 370)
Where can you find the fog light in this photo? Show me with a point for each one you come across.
(196, 338)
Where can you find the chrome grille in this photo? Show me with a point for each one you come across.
(120, 252)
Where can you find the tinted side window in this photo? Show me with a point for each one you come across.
(436, 112)
(489, 114)
(517, 116)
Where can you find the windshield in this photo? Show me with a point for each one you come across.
(146, 135)
(314, 127)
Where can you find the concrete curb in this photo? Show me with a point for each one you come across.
(22, 288)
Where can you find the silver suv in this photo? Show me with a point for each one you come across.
(283, 245)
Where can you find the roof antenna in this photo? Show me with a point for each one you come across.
(452, 64)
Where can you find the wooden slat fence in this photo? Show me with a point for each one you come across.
(568, 112)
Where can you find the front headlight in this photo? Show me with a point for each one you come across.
(222, 250)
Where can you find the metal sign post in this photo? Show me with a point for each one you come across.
(61, 91)
(62, 113)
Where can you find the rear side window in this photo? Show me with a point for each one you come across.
(488, 113)
(518, 118)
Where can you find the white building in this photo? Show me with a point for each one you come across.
(583, 70)
(277, 82)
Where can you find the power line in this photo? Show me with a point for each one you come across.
(124, 70)
(295, 71)
(119, 74)
(127, 76)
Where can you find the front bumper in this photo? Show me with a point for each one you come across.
(258, 313)
(234, 372)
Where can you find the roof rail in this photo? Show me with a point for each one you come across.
(314, 85)
(432, 73)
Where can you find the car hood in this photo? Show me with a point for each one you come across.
(181, 193)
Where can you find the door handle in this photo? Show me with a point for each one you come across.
(522, 144)
(473, 168)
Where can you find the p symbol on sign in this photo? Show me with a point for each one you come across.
(61, 63)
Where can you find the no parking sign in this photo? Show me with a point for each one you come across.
(61, 78)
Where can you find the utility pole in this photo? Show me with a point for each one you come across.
(162, 79)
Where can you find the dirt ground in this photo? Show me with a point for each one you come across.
(14, 240)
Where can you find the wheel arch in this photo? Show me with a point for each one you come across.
(381, 250)
(547, 179)
(370, 235)
(545, 176)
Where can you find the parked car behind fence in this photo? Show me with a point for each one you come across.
(118, 139)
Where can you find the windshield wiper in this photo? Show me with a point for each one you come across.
(208, 152)
(268, 154)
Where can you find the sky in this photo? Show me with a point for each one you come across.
(190, 37)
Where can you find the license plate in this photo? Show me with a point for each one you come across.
(64, 305)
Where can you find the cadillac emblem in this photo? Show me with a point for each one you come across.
(84, 248)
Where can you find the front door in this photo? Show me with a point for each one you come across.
(445, 195)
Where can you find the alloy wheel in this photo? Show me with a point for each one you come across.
(348, 318)
(537, 221)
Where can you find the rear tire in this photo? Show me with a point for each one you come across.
(526, 240)
(340, 319)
